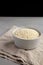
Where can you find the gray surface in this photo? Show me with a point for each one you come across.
(6, 62)
(7, 22)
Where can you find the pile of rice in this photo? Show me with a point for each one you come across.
(26, 33)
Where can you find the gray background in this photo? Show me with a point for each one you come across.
(7, 22)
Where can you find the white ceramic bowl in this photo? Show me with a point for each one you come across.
(26, 44)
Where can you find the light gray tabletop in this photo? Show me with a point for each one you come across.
(7, 22)
(6, 62)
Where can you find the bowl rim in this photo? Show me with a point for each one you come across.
(27, 28)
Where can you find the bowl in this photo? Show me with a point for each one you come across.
(24, 43)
